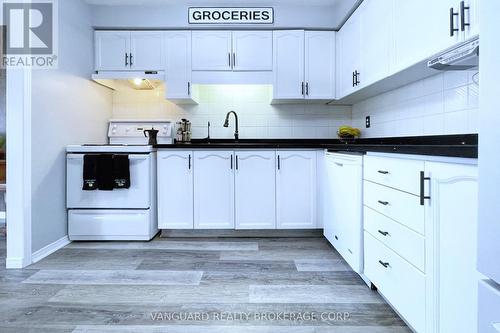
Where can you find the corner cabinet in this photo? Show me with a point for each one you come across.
(178, 67)
(349, 56)
(126, 50)
(175, 189)
(214, 189)
(296, 189)
(304, 65)
(255, 189)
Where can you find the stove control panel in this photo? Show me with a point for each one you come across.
(132, 131)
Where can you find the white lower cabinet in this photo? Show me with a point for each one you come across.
(255, 189)
(401, 283)
(420, 250)
(175, 189)
(214, 189)
(296, 189)
(452, 212)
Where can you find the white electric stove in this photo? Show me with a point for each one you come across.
(120, 214)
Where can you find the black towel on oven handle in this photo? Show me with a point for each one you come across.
(90, 172)
(105, 177)
(121, 171)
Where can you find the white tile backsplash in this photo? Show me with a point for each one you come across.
(257, 118)
(446, 103)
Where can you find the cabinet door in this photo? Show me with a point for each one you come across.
(377, 46)
(296, 189)
(422, 29)
(349, 56)
(178, 64)
(288, 46)
(320, 64)
(211, 51)
(112, 50)
(252, 50)
(214, 190)
(255, 189)
(147, 51)
(175, 190)
(471, 17)
(452, 220)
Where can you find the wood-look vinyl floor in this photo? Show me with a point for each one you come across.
(194, 285)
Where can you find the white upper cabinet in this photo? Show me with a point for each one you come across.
(320, 65)
(112, 50)
(296, 189)
(349, 75)
(211, 51)
(146, 50)
(289, 64)
(178, 64)
(470, 17)
(214, 189)
(423, 28)
(175, 190)
(252, 51)
(125, 50)
(232, 51)
(377, 47)
(255, 189)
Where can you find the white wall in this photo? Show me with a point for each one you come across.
(446, 103)
(257, 118)
(67, 108)
(176, 16)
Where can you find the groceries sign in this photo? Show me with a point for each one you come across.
(230, 15)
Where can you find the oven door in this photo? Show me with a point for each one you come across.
(138, 196)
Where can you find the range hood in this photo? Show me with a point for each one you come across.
(136, 80)
(461, 57)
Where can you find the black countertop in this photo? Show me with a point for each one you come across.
(441, 145)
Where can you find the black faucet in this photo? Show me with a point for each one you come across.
(226, 124)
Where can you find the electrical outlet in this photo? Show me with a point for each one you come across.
(368, 122)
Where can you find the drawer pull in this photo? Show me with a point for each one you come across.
(383, 172)
(383, 233)
(336, 238)
(385, 264)
(385, 203)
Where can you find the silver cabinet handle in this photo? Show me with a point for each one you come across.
(126, 59)
(385, 203)
(303, 86)
(307, 88)
(234, 59)
(131, 60)
(339, 164)
(383, 172)
(229, 59)
(189, 88)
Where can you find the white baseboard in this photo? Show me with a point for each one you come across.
(49, 249)
(16, 263)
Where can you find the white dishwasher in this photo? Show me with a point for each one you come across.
(343, 219)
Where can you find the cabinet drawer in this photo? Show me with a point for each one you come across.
(405, 242)
(401, 283)
(394, 172)
(403, 207)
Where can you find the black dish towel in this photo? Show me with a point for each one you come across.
(105, 177)
(121, 171)
(90, 172)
